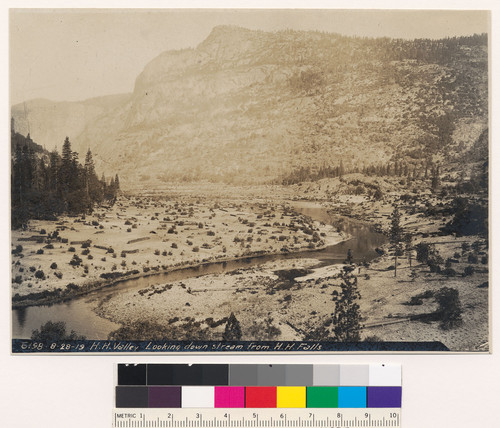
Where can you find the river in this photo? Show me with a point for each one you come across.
(79, 316)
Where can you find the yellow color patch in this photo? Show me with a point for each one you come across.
(291, 396)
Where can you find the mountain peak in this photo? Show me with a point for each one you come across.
(230, 33)
(231, 29)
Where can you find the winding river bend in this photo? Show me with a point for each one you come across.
(79, 316)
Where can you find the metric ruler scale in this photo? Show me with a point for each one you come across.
(256, 418)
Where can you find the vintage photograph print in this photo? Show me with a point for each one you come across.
(249, 180)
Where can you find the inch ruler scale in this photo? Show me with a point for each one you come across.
(257, 418)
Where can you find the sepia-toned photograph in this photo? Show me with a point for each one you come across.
(223, 180)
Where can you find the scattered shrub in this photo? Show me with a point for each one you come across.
(53, 265)
(415, 300)
(449, 272)
(232, 330)
(450, 308)
(472, 258)
(469, 270)
(75, 261)
(263, 330)
(40, 274)
(53, 331)
(423, 252)
(18, 249)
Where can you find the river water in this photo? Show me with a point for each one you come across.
(79, 316)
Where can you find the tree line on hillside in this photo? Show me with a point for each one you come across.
(44, 185)
(439, 51)
(422, 170)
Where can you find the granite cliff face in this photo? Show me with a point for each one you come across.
(249, 106)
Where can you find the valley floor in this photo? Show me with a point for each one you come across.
(279, 300)
(144, 235)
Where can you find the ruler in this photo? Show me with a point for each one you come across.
(256, 418)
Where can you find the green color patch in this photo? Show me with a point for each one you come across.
(322, 396)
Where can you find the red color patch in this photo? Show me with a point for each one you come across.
(260, 396)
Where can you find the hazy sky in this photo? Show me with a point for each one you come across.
(78, 54)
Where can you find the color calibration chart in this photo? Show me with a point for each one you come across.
(258, 395)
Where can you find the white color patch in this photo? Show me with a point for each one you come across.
(385, 375)
(197, 396)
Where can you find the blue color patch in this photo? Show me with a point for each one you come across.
(352, 397)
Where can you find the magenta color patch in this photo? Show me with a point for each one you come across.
(229, 396)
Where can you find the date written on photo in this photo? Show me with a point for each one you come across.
(103, 346)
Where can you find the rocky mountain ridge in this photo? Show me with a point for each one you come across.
(249, 106)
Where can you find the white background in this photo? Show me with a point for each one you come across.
(450, 391)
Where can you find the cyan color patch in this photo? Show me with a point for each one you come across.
(352, 397)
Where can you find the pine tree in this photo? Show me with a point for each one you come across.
(54, 165)
(92, 185)
(232, 330)
(347, 317)
(44, 186)
(396, 236)
(408, 241)
(350, 257)
(65, 168)
(435, 178)
(341, 168)
(18, 172)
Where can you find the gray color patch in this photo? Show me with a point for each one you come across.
(354, 375)
(272, 375)
(132, 396)
(243, 375)
(299, 375)
(326, 375)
